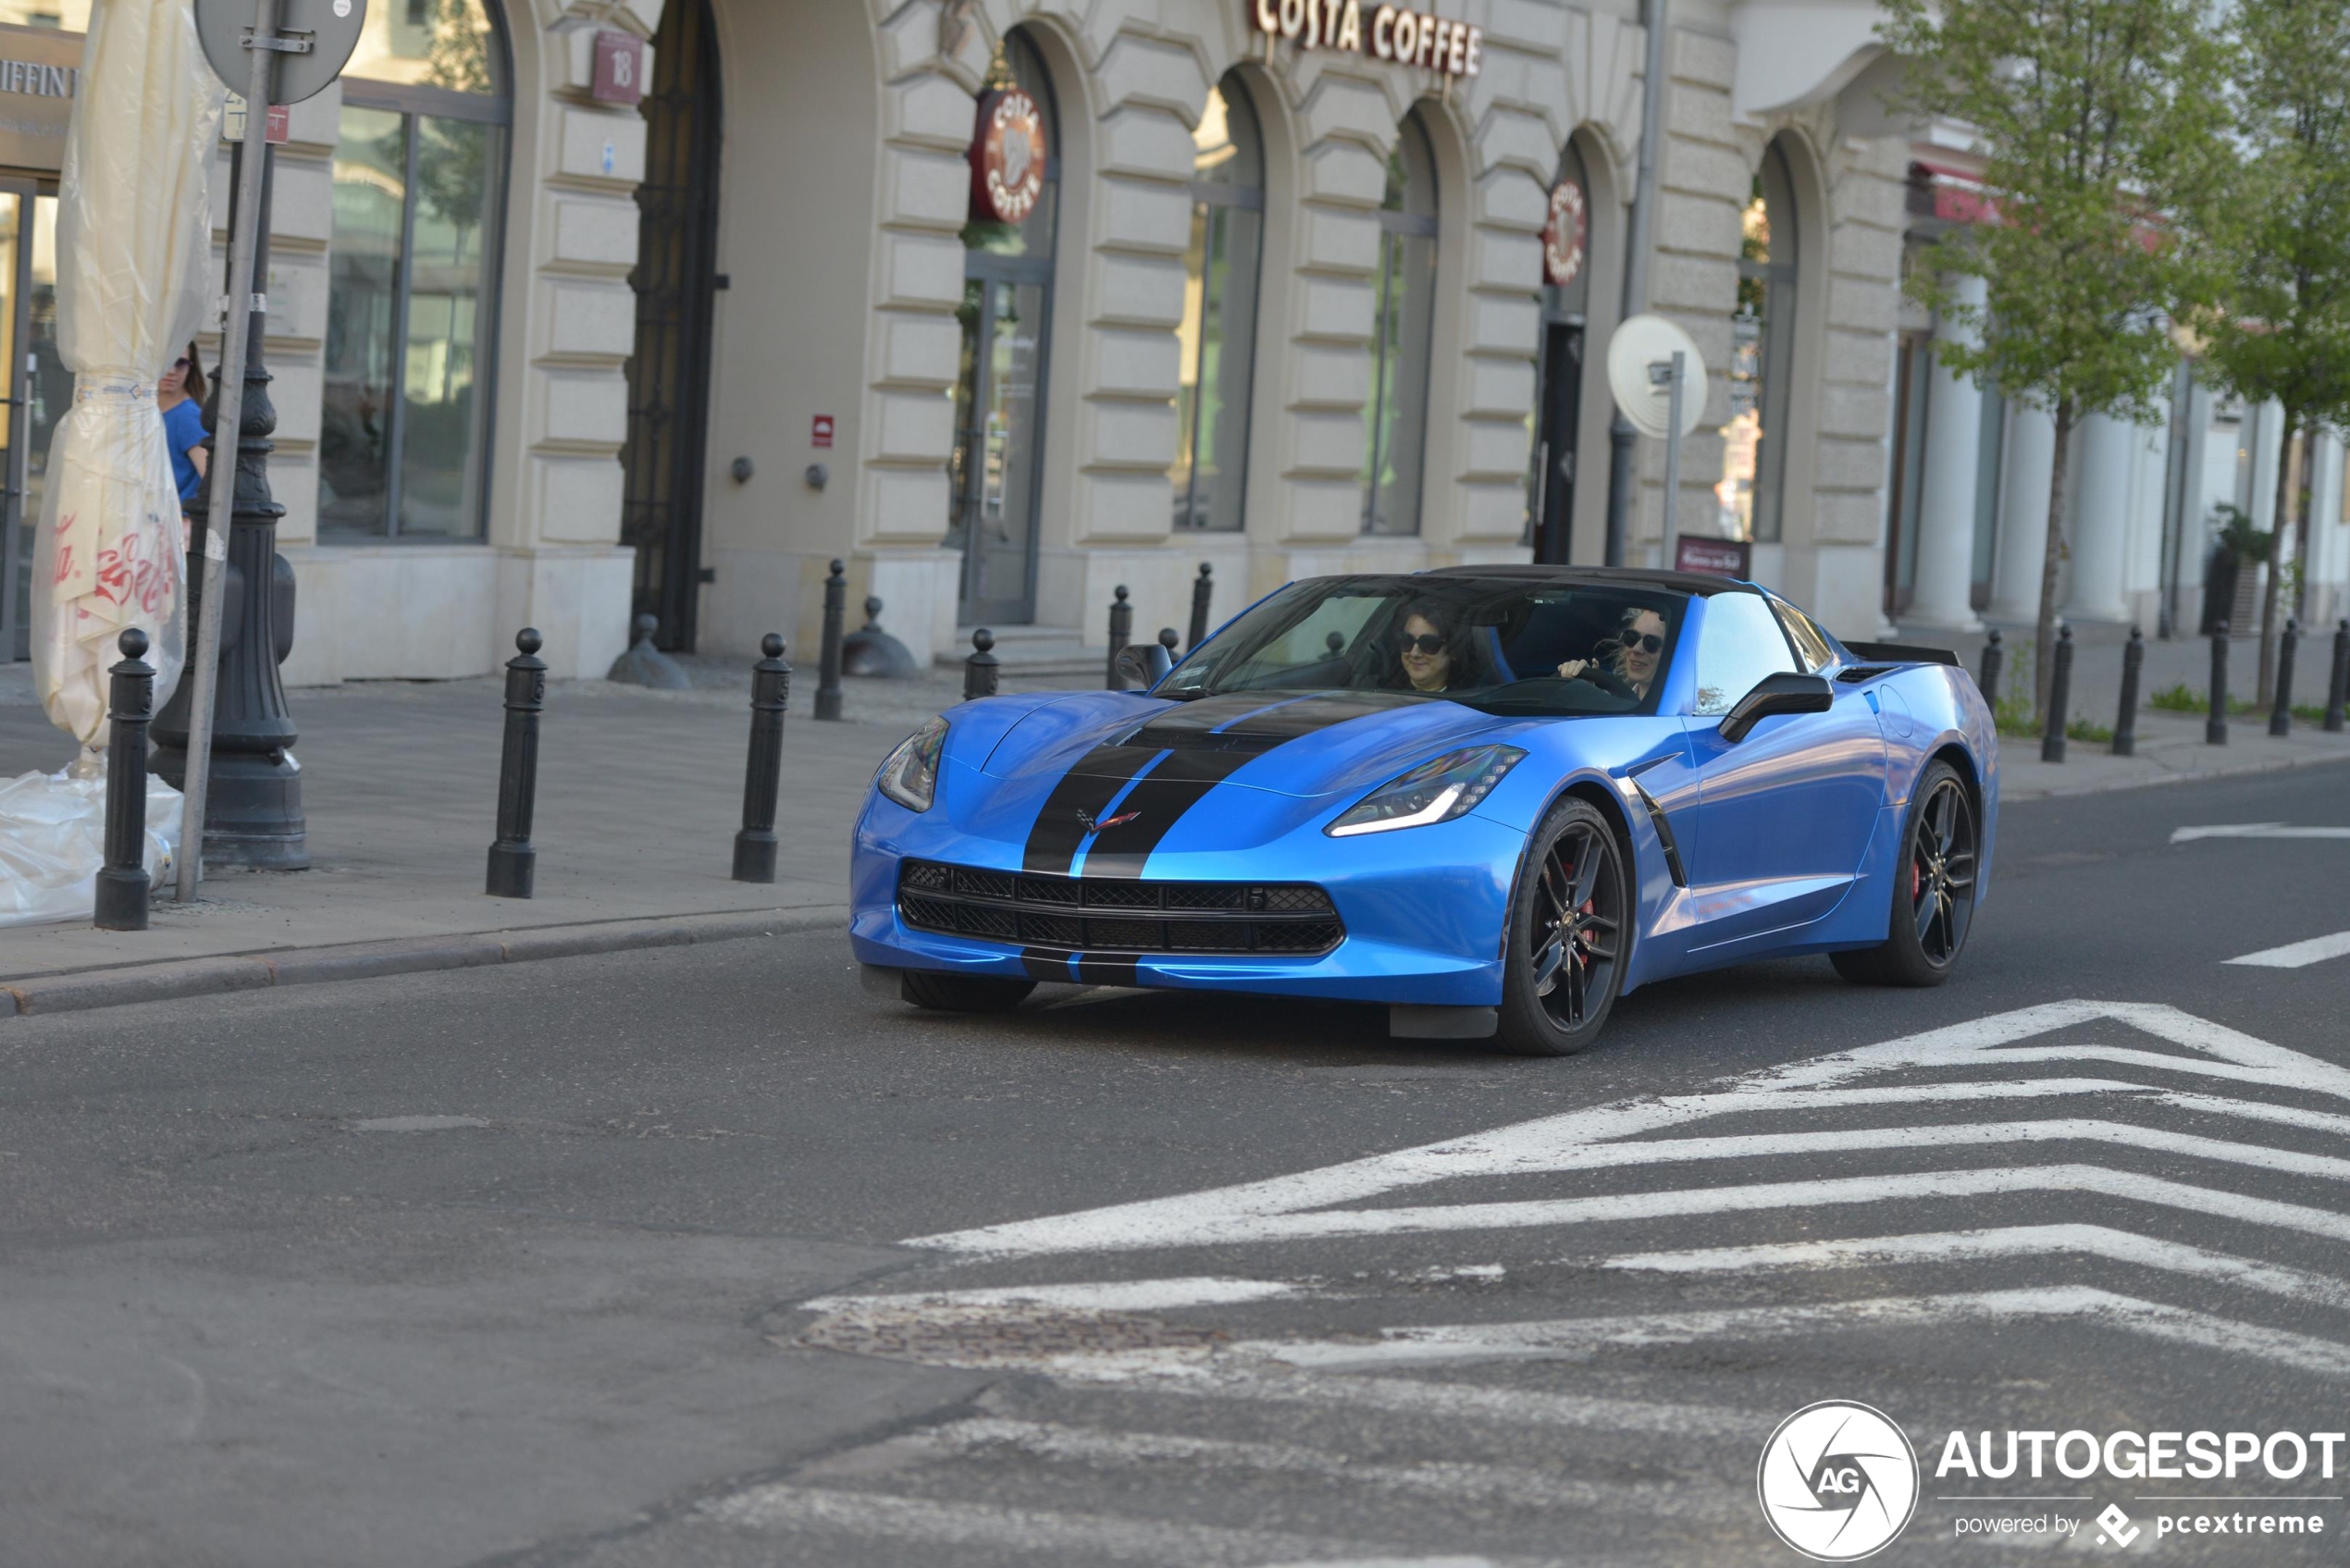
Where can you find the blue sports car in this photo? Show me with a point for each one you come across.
(1492, 797)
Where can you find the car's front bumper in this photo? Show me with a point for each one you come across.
(1423, 909)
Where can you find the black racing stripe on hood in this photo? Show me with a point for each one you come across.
(1205, 742)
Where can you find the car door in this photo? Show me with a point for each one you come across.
(1785, 815)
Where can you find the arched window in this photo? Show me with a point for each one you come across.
(1218, 332)
(419, 209)
(1762, 356)
(995, 471)
(1395, 416)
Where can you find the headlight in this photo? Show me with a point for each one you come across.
(1433, 792)
(910, 776)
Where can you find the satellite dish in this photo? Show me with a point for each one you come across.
(1645, 398)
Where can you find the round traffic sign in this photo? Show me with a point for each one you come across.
(331, 27)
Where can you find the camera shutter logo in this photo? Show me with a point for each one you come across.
(1837, 1481)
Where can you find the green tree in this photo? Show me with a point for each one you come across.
(2096, 118)
(2278, 232)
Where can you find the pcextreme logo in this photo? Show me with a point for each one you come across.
(1837, 1481)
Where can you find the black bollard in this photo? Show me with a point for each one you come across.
(979, 667)
(762, 775)
(828, 653)
(1121, 632)
(121, 903)
(2338, 688)
(2059, 698)
(1336, 642)
(2215, 729)
(2125, 724)
(1168, 639)
(2281, 717)
(1994, 657)
(1202, 591)
(512, 859)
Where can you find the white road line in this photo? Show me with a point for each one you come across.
(2255, 829)
(2295, 955)
(1056, 1442)
(1679, 1203)
(1025, 1530)
(1579, 1338)
(1117, 1295)
(2021, 1240)
(1471, 1403)
(1247, 1209)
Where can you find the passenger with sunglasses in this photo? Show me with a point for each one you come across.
(1425, 646)
(1629, 659)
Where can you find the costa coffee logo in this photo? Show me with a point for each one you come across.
(1564, 234)
(1405, 37)
(1007, 157)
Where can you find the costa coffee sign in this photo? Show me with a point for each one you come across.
(1407, 38)
(1007, 157)
(1563, 235)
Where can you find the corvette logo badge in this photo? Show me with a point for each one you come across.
(1107, 824)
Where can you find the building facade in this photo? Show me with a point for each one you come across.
(581, 311)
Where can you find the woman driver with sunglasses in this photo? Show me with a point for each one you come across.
(1639, 647)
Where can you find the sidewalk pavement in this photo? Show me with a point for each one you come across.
(639, 796)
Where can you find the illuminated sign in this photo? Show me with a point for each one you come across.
(1408, 38)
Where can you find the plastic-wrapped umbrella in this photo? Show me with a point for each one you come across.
(134, 232)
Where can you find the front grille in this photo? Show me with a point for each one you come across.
(1033, 910)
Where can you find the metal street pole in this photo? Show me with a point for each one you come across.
(203, 663)
(1677, 371)
(1623, 474)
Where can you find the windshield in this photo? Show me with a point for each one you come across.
(1497, 644)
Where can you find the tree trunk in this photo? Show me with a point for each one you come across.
(2044, 631)
(2267, 690)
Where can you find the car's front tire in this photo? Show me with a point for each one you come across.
(964, 992)
(1933, 890)
(1570, 932)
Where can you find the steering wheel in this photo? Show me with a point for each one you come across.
(1606, 680)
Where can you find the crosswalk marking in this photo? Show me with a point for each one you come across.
(1284, 1207)
(1133, 1376)
(2006, 1242)
(2298, 954)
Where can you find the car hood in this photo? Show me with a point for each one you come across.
(1308, 746)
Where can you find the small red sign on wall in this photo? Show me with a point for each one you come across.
(620, 68)
(820, 430)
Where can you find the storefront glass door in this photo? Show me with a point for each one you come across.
(998, 404)
(38, 390)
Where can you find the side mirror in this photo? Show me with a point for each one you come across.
(1144, 664)
(1784, 693)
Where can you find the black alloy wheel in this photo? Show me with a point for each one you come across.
(1569, 935)
(1933, 892)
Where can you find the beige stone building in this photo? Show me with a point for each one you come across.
(547, 356)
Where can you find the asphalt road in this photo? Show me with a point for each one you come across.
(517, 1265)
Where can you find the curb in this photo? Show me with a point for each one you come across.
(2241, 771)
(83, 990)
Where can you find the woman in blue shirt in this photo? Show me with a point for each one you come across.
(179, 398)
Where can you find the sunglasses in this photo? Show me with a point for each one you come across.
(1646, 642)
(178, 364)
(1427, 642)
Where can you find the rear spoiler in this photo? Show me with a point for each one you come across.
(1900, 653)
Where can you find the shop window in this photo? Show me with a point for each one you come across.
(419, 206)
(1395, 416)
(1762, 356)
(1219, 331)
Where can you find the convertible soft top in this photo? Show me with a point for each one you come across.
(1680, 582)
